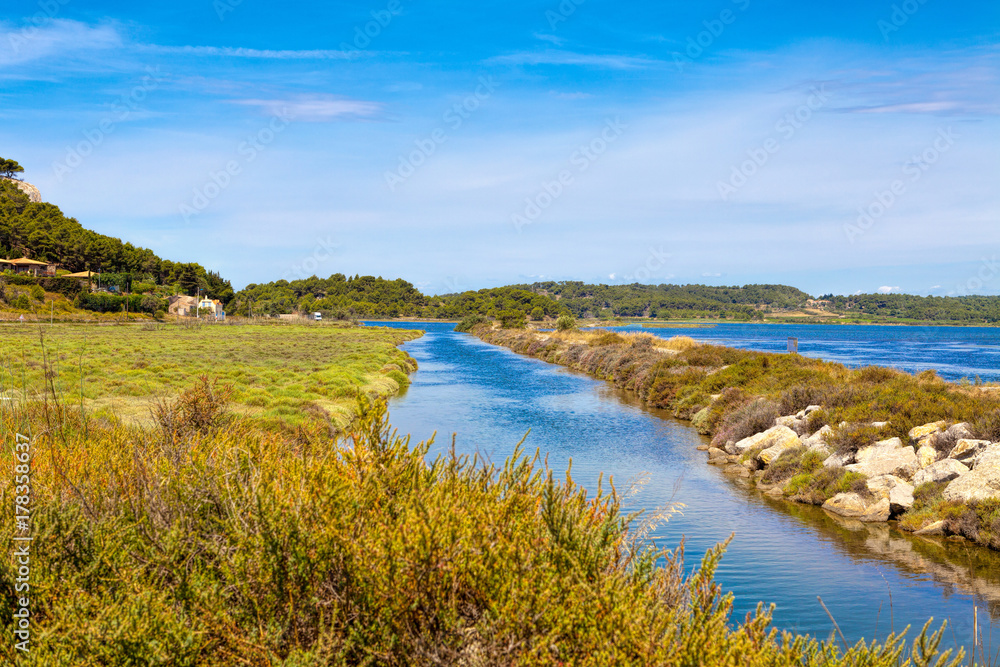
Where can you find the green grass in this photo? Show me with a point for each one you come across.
(281, 375)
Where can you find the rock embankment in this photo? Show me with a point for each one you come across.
(883, 475)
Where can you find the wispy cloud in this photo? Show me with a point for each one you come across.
(553, 57)
(317, 108)
(240, 52)
(886, 289)
(56, 39)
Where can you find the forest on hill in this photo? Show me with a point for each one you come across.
(342, 297)
(40, 231)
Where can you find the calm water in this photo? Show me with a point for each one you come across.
(954, 352)
(782, 553)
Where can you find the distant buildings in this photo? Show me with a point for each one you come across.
(189, 306)
(30, 266)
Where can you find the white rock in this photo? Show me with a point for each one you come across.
(926, 455)
(889, 457)
(819, 438)
(899, 493)
(853, 505)
(936, 528)
(983, 483)
(769, 438)
(966, 450)
(942, 471)
(919, 432)
(838, 460)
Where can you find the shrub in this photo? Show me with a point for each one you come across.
(785, 466)
(160, 314)
(852, 437)
(142, 288)
(537, 314)
(606, 338)
(471, 321)
(199, 410)
(748, 419)
(511, 319)
(37, 293)
(565, 323)
(21, 302)
(987, 426)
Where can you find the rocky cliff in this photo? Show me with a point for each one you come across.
(27, 188)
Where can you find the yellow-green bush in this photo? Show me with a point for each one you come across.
(237, 546)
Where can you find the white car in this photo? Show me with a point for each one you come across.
(317, 316)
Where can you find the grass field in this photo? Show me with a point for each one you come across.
(279, 374)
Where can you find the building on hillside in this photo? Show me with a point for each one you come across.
(213, 305)
(30, 266)
(83, 276)
(183, 306)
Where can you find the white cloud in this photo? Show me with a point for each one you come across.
(317, 109)
(57, 38)
(885, 289)
(239, 52)
(552, 57)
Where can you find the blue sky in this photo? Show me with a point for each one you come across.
(837, 147)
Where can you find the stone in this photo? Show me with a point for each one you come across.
(703, 448)
(737, 471)
(898, 492)
(944, 470)
(854, 506)
(818, 439)
(936, 528)
(771, 454)
(838, 460)
(989, 456)
(888, 457)
(982, 483)
(968, 450)
(798, 425)
(920, 432)
(775, 492)
(717, 456)
(769, 438)
(960, 431)
(34, 195)
(880, 424)
(926, 455)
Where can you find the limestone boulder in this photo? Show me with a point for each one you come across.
(960, 431)
(967, 450)
(855, 506)
(776, 435)
(819, 439)
(936, 528)
(888, 457)
(839, 460)
(898, 492)
(802, 414)
(989, 456)
(982, 483)
(798, 425)
(717, 456)
(921, 432)
(943, 471)
(926, 455)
